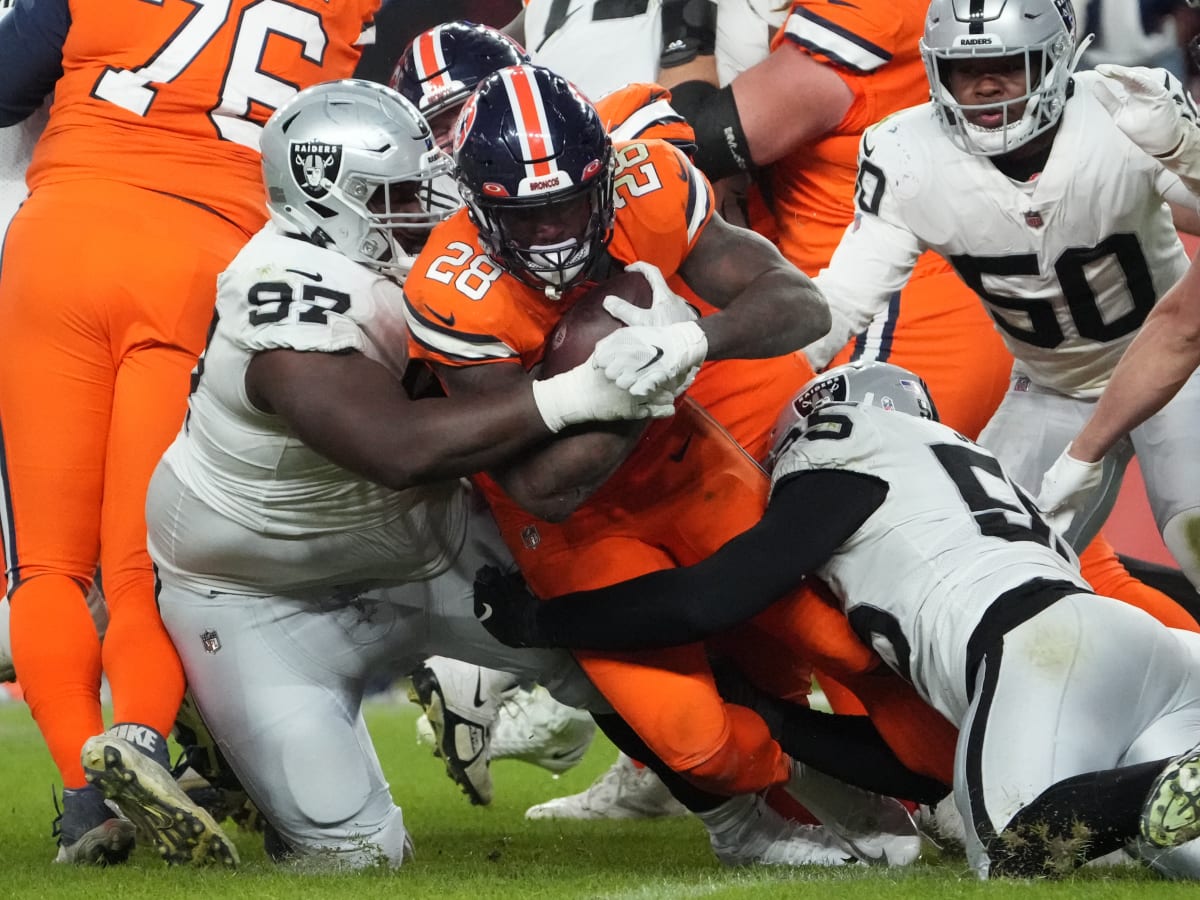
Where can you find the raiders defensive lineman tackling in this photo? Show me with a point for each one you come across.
(1078, 715)
(1018, 175)
(306, 485)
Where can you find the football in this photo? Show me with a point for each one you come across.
(585, 323)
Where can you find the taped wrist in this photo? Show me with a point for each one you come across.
(722, 148)
(557, 399)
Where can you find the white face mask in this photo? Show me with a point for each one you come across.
(555, 263)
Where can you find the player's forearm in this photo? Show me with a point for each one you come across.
(556, 478)
(1153, 369)
(682, 605)
(779, 312)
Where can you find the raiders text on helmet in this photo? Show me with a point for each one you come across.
(1040, 32)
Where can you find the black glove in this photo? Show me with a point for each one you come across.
(505, 607)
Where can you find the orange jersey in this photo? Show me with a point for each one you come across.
(171, 96)
(642, 110)
(463, 309)
(873, 47)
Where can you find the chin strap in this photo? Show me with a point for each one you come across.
(1080, 50)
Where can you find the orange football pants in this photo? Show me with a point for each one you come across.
(685, 490)
(106, 293)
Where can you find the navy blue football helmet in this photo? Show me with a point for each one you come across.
(441, 66)
(535, 168)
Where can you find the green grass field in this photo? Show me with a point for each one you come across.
(466, 852)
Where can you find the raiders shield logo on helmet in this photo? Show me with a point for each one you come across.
(315, 166)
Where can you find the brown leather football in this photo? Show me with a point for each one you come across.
(585, 323)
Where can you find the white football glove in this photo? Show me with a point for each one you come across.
(1066, 488)
(644, 359)
(1156, 112)
(666, 306)
(584, 394)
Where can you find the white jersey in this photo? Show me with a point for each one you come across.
(1068, 264)
(294, 518)
(744, 32)
(953, 535)
(598, 47)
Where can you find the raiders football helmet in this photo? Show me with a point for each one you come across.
(352, 165)
(1041, 33)
(535, 167)
(440, 67)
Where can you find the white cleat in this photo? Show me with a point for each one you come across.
(535, 728)
(461, 730)
(1169, 830)
(744, 831)
(624, 791)
(876, 829)
(148, 797)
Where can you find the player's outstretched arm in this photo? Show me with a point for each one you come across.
(350, 409)
(1163, 355)
(691, 603)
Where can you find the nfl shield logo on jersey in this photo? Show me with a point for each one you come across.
(210, 640)
(315, 166)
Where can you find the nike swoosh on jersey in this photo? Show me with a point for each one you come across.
(312, 276)
(677, 456)
(487, 612)
(657, 356)
(867, 148)
(448, 321)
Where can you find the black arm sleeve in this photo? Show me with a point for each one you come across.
(722, 148)
(810, 515)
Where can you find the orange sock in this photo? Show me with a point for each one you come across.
(1107, 576)
(56, 652)
(140, 661)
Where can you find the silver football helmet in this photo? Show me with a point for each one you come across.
(1042, 32)
(352, 165)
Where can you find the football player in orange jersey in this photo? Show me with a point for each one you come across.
(546, 211)
(744, 396)
(147, 180)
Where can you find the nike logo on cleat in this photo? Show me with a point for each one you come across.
(477, 699)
